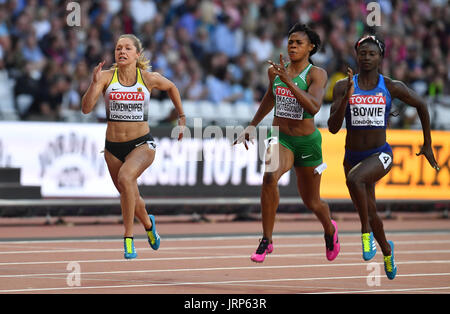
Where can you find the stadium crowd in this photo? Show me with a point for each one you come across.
(212, 50)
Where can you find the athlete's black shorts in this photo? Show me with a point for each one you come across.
(121, 149)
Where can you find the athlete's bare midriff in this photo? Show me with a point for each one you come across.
(294, 127)
(361, 140)
(126, 131)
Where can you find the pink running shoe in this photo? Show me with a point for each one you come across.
(263, 249)
(332, 244)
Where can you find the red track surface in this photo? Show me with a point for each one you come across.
(213, 257)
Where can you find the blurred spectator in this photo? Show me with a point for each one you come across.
(196, 89)
(227, 38)
(52, 98)
(181, 77)
(42, 22)
(142, 11)
(25, 91)
(219, 88)
(260, 45)
(33, 54)
(212, 49)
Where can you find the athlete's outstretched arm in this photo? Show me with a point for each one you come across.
(399, 90)
(156, 80)
(95, 88)
(342, 91)
(264, 108)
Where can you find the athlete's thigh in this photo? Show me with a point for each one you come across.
(137, 161)
(347, 167)
(114, 165)
(278, 160)
(308, 183)
(371, 169)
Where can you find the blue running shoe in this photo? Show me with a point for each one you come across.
(368, 246)
(389, 264)
(128, 245)
(152, 235)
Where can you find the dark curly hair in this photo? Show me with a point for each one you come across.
(313, 37)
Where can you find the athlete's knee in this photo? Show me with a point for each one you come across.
(270, 179)
(125, 181)
(353, 180)
(314, 205)
(373, 217)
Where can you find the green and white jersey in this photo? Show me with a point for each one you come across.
(286, 105)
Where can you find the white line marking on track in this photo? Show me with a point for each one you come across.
(384, 290)
(256, 267)
(224, 237)
(181, 248)
(230, 282)
(179, 258)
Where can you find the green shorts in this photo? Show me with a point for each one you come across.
(307, 149)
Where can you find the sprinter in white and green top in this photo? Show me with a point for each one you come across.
(295, 93)
(286, 105)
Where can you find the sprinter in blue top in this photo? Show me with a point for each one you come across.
(364, 100)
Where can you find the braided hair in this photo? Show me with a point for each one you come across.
(313, 37)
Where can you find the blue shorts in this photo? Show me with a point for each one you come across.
(353, 158)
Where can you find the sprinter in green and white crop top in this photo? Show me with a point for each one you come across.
(286, 105)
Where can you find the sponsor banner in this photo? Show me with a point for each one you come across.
(411, 177)
(206, 164)
(65, 159)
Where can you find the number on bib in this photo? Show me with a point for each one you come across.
(385, 159)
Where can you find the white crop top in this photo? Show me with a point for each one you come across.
(127, 103)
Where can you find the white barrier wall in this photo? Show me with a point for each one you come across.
(65, 159)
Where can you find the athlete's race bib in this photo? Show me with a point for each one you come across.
(287, 105)
(385, 159)
(367, 110)
(126, 106)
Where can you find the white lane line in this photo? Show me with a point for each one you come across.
(384, 290)
(179, 258)
(256, 267)
(230, 282)
(219, 247)
(294, 255)
(200, 237)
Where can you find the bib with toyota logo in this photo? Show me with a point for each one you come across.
(368, 109)
(127, 103)
(286, 105)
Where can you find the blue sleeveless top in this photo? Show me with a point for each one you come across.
(368, 109)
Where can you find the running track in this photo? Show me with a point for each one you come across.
(213, 258)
